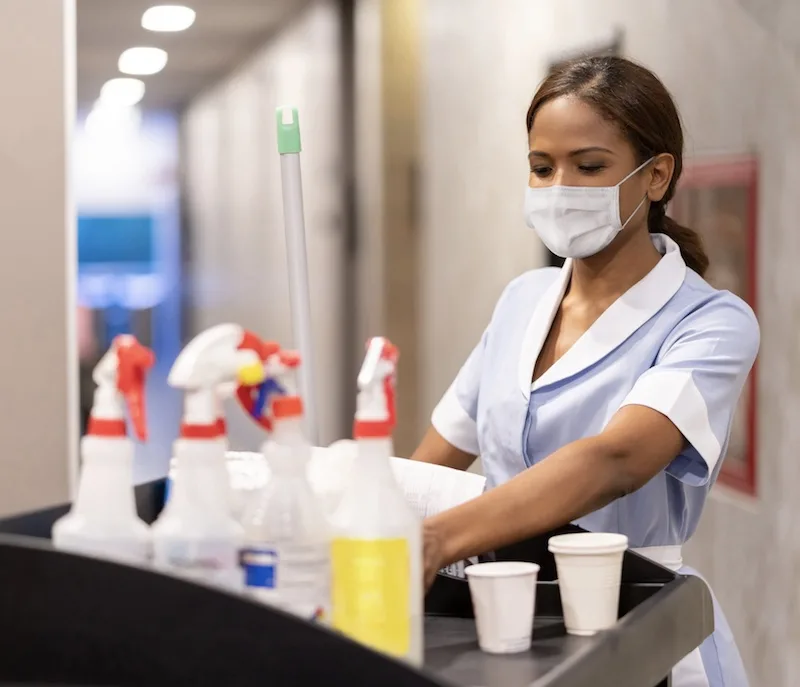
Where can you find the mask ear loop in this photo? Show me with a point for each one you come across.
(633, 214)
(644, 198)
(637, 170)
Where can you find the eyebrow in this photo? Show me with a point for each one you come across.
(574, 153)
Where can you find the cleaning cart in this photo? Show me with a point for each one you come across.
(86, 621)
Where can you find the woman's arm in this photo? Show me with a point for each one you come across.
(572, 482)
(687, 399)
(436, 449)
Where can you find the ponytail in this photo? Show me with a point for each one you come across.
(688, 240)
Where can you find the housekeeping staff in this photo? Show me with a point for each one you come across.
(601, 393)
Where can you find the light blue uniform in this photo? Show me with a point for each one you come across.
(671, 342)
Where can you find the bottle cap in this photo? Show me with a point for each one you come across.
(376, 413)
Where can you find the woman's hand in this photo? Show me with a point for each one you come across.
(433, 557)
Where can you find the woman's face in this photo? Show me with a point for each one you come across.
(572, 145)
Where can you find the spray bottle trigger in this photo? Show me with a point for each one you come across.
(264, 349)
(134, 360)
(390, 352)
(254, 405)
(290, 359)
(388, 390)
(266, 390)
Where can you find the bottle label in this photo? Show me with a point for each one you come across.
(210, 562)
(259, 567)
(371, 592)
(292, 577)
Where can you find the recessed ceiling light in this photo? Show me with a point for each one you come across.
(168, 18)
(142, 61)
(108, 119)
(122, 92)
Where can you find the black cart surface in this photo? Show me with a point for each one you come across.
(73, 620)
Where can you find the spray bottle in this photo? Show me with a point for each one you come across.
(103, 519)
(377, 543)
(248, 470)
(196, 535)
(286, 557)
(237, 468)
(224, 481)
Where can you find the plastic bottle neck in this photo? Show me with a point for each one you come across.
(372, 461)
(108, 403)
(289, 431)
(290, 452)
(197, 466)
(374, 414)
(372, 404)
(201, 415)
(200, 407)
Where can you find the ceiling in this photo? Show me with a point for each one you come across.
(224, 34)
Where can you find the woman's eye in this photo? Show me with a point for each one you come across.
(541, 172)
(591, 169)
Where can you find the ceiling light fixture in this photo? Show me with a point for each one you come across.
(122, 92)
(168, 18)
(142, 61)
(110, 119)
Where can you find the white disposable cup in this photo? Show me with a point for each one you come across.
(589, 566)
(504, 600)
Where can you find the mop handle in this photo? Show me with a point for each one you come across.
(297, 257)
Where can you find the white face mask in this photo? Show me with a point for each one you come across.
(577, 221)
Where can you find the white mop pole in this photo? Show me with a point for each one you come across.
(297, 258)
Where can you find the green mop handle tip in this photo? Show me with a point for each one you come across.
(288, 130)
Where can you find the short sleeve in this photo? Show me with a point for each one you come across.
(455, 416)
(697, 380)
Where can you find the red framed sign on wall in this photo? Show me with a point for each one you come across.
(719, 199)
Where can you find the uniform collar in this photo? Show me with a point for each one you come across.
(622, 318)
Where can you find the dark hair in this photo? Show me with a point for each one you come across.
(639, 104)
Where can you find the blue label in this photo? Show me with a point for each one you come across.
(259, 567)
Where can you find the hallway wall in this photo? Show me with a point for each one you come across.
(235, 212)
(734, 71)
(39, 424)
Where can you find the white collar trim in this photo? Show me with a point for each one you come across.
(622, 318)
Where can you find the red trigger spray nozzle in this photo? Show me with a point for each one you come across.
(134, 360)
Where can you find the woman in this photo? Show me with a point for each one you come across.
(601, 393)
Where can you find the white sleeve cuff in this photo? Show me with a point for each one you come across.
(454, 424)
(675, 395)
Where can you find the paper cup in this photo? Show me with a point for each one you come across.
(589, 566)
(504, 599)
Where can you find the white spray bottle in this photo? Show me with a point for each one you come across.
(196, 535)
(286, 557)
(225, 390)
(103, 519)
(376, 559)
